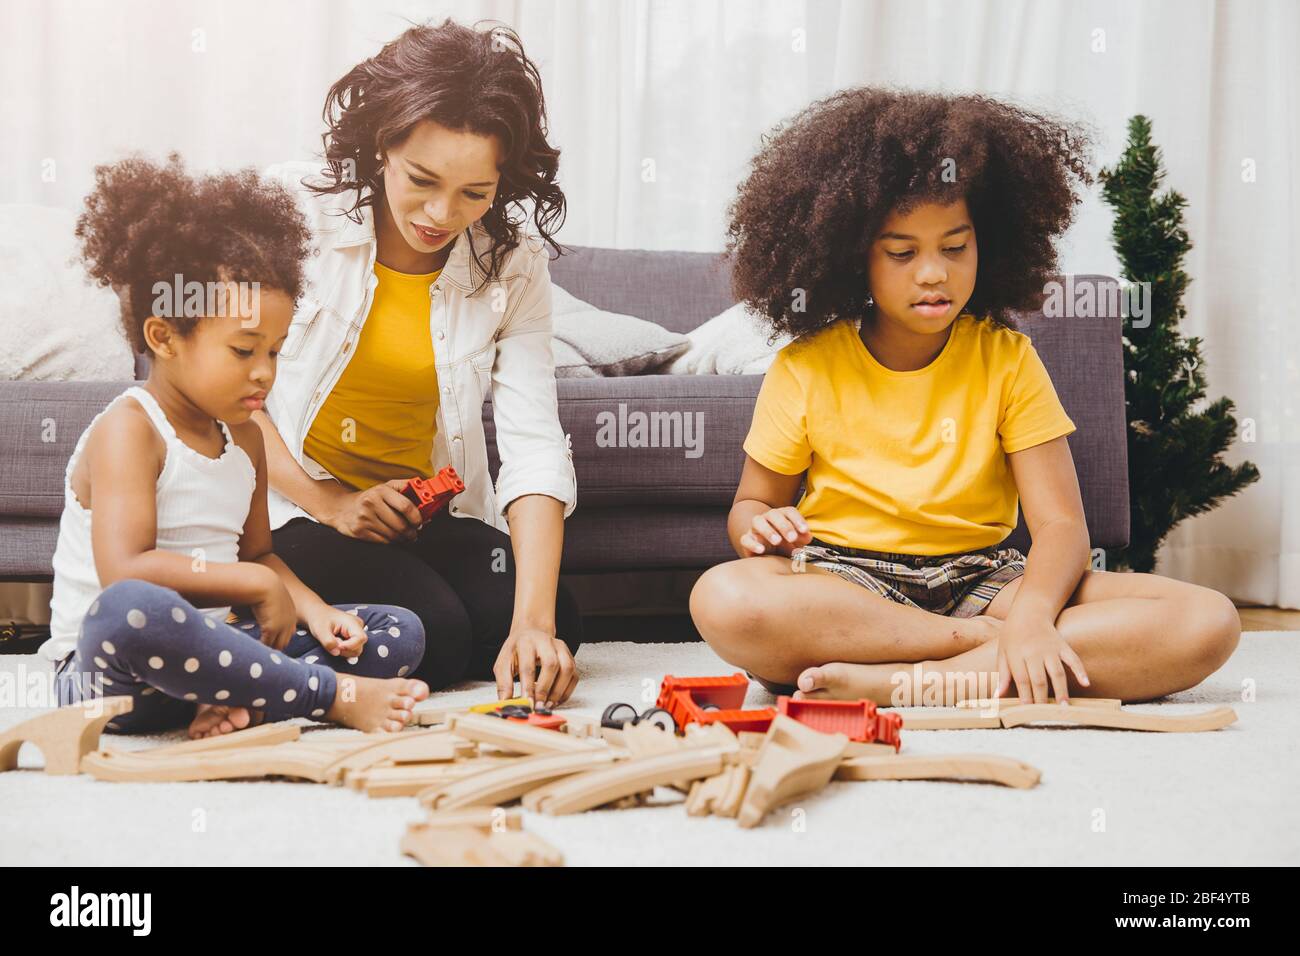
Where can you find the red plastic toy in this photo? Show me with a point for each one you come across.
(708, 700)
(545, 721)
(858, 719)
(430, 494)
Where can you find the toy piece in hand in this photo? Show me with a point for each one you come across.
(431, 494)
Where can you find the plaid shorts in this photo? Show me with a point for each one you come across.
(955, 585)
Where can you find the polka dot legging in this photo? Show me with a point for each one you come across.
(146, 641)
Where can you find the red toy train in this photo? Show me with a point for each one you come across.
(706, 700)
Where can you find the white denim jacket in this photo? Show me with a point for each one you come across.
(497, 339)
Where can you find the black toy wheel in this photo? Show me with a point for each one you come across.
(660, 718)
(616, 715)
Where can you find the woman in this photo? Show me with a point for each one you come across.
(425, 297)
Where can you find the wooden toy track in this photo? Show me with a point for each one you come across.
(464, 766)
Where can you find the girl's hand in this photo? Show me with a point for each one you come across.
(341, 633)
(274, 613)
(778, 531)
(1032, 651)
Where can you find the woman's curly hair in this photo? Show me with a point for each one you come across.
(824, 183)
(471, 80)
(146, 223)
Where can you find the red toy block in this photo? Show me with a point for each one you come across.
(430, 494)
(857, 719)
(687, 697)
(887, 729)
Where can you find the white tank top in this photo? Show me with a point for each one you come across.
(202, 505)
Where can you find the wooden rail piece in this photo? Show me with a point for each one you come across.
(517, 738)
(712, 735)
(595, 788)
(521, 848)
(408, 746)
(991, 702)
(432, 715)
(859, 748)
(409, 780)
(485, 818)
(646, 740)
(794, 760)
(1118, 719)
(1096, 714)
(63, 736)
(281, 760)
(511, 780)
(448, 846)
(281, 732)
(721, 794)
(474, 846)
(989, 768)
(582, 725)
(946, 718)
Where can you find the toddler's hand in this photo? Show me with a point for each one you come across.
(341, 633)
(274, 615)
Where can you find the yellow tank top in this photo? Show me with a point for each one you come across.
(379, 421)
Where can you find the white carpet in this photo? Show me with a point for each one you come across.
(1227, 797)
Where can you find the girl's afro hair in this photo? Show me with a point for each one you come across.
(824, 183)
(146, 223)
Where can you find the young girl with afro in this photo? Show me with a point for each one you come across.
(893, 234)
(164, 527)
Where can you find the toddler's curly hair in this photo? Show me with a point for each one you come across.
(825, 182)
(146, 222)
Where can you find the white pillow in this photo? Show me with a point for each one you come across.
(733, 343)
(591, 343)
(55, 324)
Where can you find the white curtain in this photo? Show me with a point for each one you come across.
(658, 106)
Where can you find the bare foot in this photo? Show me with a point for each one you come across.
(368, 703)
(971, 675)
(841, 681)
(213, 720)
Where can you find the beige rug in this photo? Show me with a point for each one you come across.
(1107, 797)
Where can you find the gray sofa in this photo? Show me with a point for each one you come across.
(638, 508)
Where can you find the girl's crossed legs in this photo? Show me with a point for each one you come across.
(147, 642)
(1140, 636)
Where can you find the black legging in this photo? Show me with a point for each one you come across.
(458, 576)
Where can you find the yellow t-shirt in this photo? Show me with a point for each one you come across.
(911, 462)
(379, 421)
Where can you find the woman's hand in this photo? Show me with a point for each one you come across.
(545, 667)
(778, 531)
(274, 612)
(380, 513)
(341, 633)
(1032, 651)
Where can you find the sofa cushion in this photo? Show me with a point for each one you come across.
(590, 343)
(678, 290)
(55, 322)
